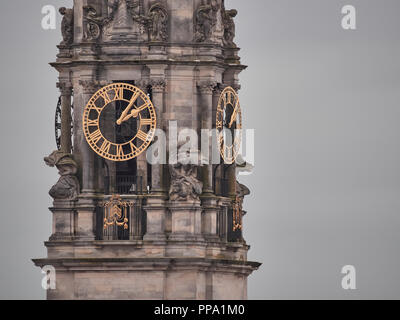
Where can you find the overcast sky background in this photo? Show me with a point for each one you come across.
(324, 104)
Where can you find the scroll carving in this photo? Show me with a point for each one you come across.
(92, 23)
(67, 186)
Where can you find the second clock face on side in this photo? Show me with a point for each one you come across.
(229, 125)
(119, 122)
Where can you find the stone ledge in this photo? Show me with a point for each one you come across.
(149, 264)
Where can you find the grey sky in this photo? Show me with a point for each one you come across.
(324, 103)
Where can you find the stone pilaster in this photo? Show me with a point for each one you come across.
(63, 220)
(89, 87)
(141, 160)
(186, 221)
(66, 93)
(156, 219)
(206, 89)
(157, 177)
(86, 206)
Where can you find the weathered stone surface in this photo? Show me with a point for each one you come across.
(182, 52)
(146, 278)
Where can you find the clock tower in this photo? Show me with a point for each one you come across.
(137, 214)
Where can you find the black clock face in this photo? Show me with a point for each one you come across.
(57, 123)
(229, 125)
(119, 122)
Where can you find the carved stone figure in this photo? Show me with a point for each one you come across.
(67, 26)
(67, 186)
(206, 20)
(157, 23)
(184, 183)
(229, 27)
(92, 23)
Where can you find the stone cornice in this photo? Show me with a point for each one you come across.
(138, 62)
(162, 264)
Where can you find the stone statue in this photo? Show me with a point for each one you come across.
(184, 183)
(67, 186)
(229, 27)
(206, 20)
(67, 26)
(157, 22)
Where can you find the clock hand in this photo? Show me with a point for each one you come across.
(134, 113)
(128, 108)
(233, 117)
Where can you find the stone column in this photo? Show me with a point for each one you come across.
(206, 89)
(86, 208)
(66, 93)
(63, 220)
(156, 209)
(209, 202)
(89, 87)
(157, 179)
(141, 161)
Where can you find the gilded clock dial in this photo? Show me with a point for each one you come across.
(119, 122)
(229, 125)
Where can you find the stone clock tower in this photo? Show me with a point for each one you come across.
(125, 227)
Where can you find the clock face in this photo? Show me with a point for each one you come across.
(119, 122)
(57, 124)
(229, 125)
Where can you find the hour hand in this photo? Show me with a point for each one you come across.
(134, 113)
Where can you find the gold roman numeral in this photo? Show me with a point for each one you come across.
(228, 97)
(95, 136)
(92, 123)
(141, 135)
(106, 98)
(95, 108)
(119, 94)
(120, 151)
(105, 147)
(133, 147)
(146, 122)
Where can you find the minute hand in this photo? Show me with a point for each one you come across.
(128, 108)
(233, 117)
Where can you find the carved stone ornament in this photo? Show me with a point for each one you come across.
(158, 23)
(229, 27)
(67, 186)
(92, 24)
(124, 18)
(206, 20)
(207, 87)
(67, 26)
(91, 86)
(158, 85)
(184, 183)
